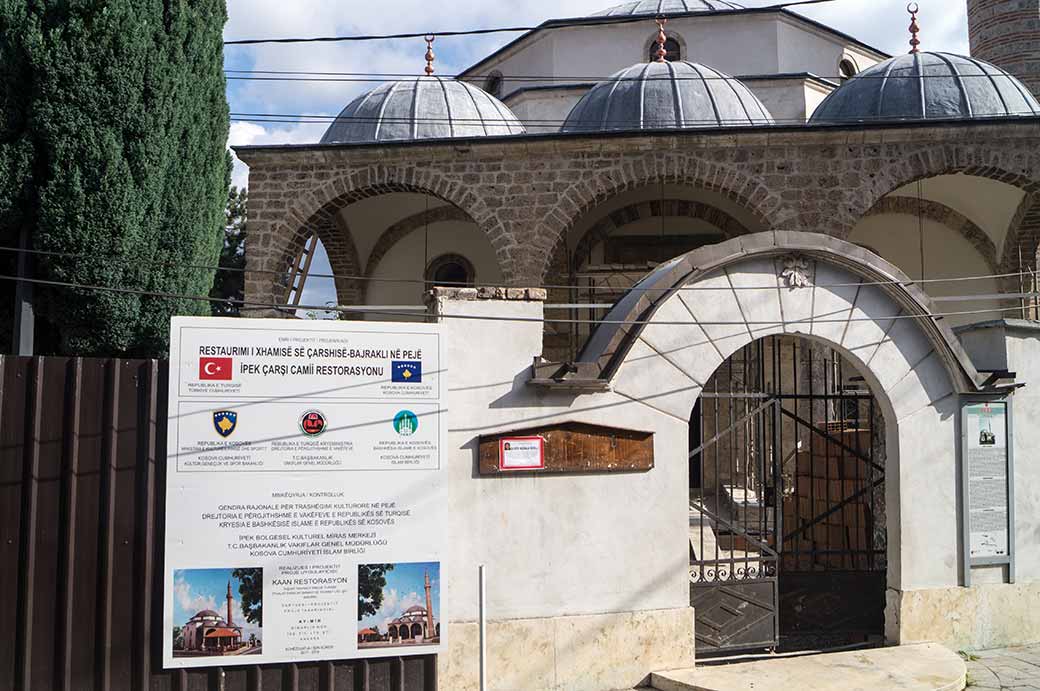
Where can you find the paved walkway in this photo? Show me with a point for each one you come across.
(923, 667)
(1005, 669)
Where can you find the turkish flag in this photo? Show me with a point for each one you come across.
(218, 368)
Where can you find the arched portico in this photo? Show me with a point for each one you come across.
(664, 340)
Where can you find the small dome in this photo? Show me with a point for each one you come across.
(415, 609)
(422, 108)
(665, 7)
(659, 95)
(206, 613)
(952, 87)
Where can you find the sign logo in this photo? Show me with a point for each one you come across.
(215, 368)
(406, 423)
(225, 421)
(406, 371)
(312, 423)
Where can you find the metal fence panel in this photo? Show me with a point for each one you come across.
(82, 459)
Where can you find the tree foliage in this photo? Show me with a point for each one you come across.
(251, 590)
(371, 581)
(229, 284)
(113, 150)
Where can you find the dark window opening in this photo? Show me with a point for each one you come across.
(846, 70)
(671, 47)
(451, 270)
(493, 85)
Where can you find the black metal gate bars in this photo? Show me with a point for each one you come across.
(787, 538)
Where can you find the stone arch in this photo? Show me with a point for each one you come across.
(1010, 167)
(1023, 237)
(318, 206)
(940, 213)
(857, 281)
(338, 241)
(403, 228)
(578, 199)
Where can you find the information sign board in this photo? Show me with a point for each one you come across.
(305, 491)
(521, 453)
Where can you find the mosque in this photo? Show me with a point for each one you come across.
(208, 632)
(802, 268)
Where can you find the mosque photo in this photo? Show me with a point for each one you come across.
(404, 612)
(215, 620)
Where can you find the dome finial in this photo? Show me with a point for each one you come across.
(913, 9)
(429, 54)
(662, 52)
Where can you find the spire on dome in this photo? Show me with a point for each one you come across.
(662, 52)
(429, 55)
(913, 8)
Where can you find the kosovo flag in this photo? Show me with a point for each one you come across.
(406, 371)
(224, 421)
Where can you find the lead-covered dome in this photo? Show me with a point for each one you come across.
(422, 108)
(661, 95)
(666, 7)
(927, 86)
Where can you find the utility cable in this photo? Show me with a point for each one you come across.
(254, 306)
(449, 284)
(551, 24)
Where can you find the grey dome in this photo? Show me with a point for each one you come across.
(952, 87)
(657, 95)
(422, 108)
(656, 7)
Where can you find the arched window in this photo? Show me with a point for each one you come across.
(493, 84)
(451, 270)
(671, 46)
(846, 70)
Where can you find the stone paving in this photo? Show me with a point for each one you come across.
(1005, 669)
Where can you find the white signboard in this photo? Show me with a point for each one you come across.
(986, 456)
(521, 453)
(305, 496)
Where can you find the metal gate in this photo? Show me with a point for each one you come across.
(787, 539)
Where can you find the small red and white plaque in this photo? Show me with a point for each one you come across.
(521, 453)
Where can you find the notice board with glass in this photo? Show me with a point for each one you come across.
(987, 485)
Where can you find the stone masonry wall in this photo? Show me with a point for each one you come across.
(526, 192)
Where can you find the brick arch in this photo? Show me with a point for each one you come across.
(669, 208)
(318, 207)
(344, 261)
(940, 213)
(580, 198)
(403, 228)
(1023, 236)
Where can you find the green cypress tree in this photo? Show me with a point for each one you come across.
(128, 123)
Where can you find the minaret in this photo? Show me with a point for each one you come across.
(229, 622)
(1007, 33)
(431, 631)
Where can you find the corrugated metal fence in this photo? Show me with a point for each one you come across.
(82, 449)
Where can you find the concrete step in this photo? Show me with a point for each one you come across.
(920, 667)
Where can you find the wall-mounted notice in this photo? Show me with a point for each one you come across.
(305, 496)
(986, 472)
(521, 453)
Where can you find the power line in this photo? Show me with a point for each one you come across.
(254, 306)
(361, 77)
(450, 284)
(552, 24)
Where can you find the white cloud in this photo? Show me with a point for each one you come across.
(245, 133)
(189, 601)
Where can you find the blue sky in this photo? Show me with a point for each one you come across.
(199, 589)
(404, 588)
(882, 23)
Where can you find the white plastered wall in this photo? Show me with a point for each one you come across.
(616, 545)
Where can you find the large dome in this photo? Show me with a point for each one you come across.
(658, 7)
(925, 86)
(660, 95)
(422, 108)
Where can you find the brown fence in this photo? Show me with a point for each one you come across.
(82, 458)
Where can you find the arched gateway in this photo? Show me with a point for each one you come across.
(821, 391)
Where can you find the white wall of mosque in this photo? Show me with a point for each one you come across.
(946, 254)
